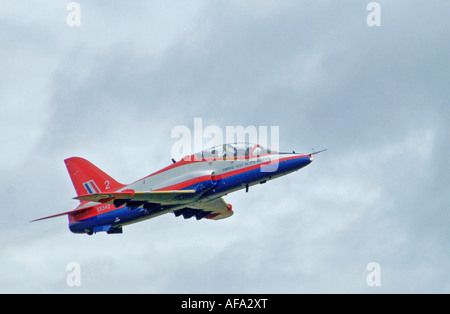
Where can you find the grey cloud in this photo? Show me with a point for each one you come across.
(375, 97)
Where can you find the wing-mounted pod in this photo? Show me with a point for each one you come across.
(224, 213)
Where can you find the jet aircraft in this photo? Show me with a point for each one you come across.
(191, 187)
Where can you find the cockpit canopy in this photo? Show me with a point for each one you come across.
(233, 151)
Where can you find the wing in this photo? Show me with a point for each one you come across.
(216, 209)
(132, 198)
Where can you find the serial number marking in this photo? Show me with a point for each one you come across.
(103, 208)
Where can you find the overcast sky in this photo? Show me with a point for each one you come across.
(112, 90)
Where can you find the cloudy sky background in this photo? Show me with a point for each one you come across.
(113, 89)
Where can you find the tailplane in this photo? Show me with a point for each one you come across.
(88, 179)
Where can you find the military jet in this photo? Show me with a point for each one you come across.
(191, 187)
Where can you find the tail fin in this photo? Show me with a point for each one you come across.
(88, 179)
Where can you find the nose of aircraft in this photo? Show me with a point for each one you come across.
(313, 153)
(299, 162)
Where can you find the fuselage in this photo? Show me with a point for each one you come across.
(212, 175)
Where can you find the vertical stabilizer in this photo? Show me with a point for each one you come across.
(88, 179)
